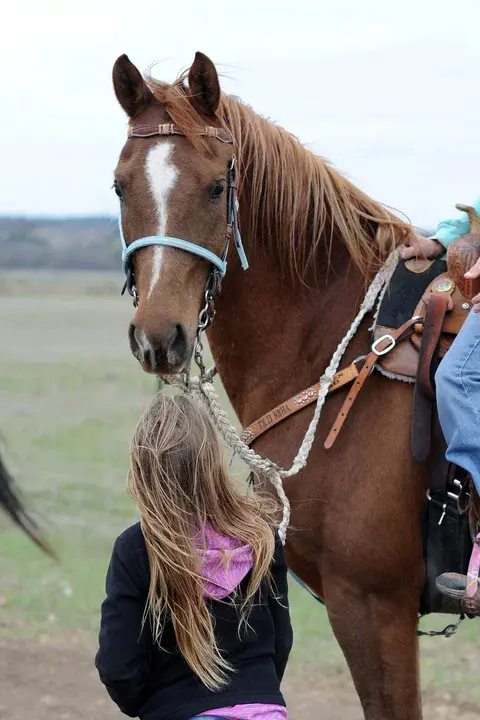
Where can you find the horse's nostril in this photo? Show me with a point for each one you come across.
(139, 345)
(133, 339)
(176, 345)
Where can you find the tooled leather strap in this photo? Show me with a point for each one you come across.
(143, 131)
(296, 403)
(380, 347)
(424, 394)
(437, 308)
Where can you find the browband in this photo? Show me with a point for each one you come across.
(144, 131)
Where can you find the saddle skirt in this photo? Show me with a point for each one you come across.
(413, 284)
(417, 282)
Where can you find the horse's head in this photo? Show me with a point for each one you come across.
(176, 182)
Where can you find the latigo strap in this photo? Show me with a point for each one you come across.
(382, 346)
(424, 393)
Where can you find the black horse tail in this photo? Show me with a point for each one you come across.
(14, 506)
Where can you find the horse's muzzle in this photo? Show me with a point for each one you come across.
(160, 353)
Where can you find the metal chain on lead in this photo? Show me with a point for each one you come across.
(198, 354)
(205, 319)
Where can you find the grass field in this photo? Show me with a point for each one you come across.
(70, 397)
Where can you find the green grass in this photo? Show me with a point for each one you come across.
(71, 396)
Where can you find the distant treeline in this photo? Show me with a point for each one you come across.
(83, 243)
(87, 243)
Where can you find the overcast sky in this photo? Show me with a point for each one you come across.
(386, 89)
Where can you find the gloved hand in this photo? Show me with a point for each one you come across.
(421, 247)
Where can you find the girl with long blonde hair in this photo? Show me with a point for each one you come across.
(196, 622)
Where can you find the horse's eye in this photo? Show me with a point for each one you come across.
(217, 190)
(118, 190)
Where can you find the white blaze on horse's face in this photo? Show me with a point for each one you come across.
(162, 174)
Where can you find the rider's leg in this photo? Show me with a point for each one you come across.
(458, 398)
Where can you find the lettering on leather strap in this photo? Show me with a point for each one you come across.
(294, 404)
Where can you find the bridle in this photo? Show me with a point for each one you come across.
(218, 263)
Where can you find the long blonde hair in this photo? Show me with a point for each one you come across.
(180, 482)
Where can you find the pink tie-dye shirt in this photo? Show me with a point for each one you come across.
(255, 711)
(221, 577)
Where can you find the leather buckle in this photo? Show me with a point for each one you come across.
(387, 349)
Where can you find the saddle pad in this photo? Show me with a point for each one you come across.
(405, 291)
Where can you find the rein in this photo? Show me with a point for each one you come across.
(218, 262)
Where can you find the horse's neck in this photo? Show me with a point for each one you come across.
(271, 337)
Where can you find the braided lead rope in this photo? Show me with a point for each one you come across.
(378, 308)
(203, 388)
(207, 394)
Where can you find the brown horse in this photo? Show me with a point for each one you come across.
(313, 241)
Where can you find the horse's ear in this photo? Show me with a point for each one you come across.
(131, 90)
(204, 85)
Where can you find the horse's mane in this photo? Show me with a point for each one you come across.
(297, 199)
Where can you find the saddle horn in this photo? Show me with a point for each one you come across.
(473, 217)
(463, 253)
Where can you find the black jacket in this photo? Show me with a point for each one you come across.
(156, 683)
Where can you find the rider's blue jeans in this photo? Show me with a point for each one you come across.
(458, 397)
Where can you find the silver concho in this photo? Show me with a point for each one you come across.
(444, 285)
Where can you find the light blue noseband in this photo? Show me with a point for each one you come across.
(190, 247)
(219, 262)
